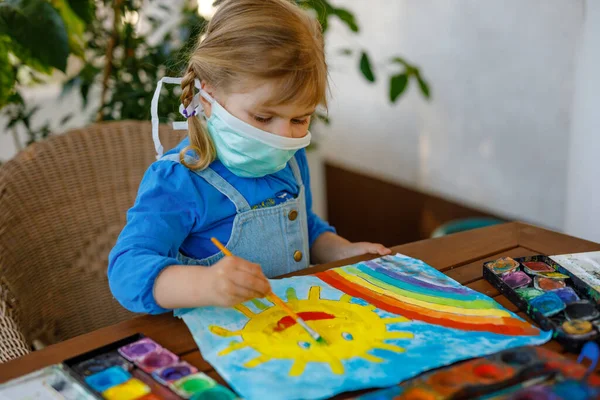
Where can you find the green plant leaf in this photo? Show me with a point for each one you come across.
(365, 67)
(400, 60)
(74, 25)
(38, 27)
(66, 119)
(424, 86)
(12, 122)
(84, 89)
(10, 14)
(348, 18)
(323, 118)
(7, 72)
(16, 98)
(25, 56)
(398, 84)
(322, 8)
(85, 9)
(410, 70)
(29, 113)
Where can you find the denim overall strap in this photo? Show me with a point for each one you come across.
(217, 181)
(296, 170)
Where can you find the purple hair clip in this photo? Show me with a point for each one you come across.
(192, 109)
(187, 115)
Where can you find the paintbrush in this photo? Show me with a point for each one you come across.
(278, 302)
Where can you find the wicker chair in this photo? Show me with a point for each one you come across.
(63, 203)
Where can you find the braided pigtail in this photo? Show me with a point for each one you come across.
(200, 141)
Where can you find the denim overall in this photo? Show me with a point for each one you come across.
(276, 237)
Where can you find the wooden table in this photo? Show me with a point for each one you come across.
(460, 256)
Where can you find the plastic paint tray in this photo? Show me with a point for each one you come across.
(572, 334)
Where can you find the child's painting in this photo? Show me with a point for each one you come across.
(384, 321)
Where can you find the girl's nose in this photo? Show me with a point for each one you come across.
(284, 128)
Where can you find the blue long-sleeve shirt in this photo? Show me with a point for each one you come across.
(178, 211)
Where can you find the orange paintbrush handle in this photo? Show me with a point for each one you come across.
(277, 301)
(221, 247)
(271, 296)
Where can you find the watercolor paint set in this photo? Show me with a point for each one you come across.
(523, 373)
(133, 368)
(560, 293)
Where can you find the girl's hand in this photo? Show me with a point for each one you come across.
(235, 280)
(360, 248)
(331, 247)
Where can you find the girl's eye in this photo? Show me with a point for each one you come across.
(262, 120)
(300, 121)
(347, 336)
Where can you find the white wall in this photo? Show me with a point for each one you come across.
(496, 132)
(583, 190)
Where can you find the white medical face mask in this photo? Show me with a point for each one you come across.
(244, 149)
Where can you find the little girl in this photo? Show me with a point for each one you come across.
(241, 177)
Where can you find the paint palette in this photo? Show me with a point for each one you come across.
(139, 368)
(524, 373)
(553, 296)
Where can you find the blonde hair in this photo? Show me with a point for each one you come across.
(253, 40)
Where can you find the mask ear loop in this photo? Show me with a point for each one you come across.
(177, 125)
(206, 96)
(154, 113)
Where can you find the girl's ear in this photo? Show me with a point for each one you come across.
(206, 105)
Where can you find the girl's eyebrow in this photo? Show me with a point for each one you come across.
(270, 111)
(307, 115)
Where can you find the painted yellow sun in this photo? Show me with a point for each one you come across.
(351, 330)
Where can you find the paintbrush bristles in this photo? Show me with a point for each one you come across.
(308, 329)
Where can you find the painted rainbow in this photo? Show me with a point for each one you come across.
(423, 299)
